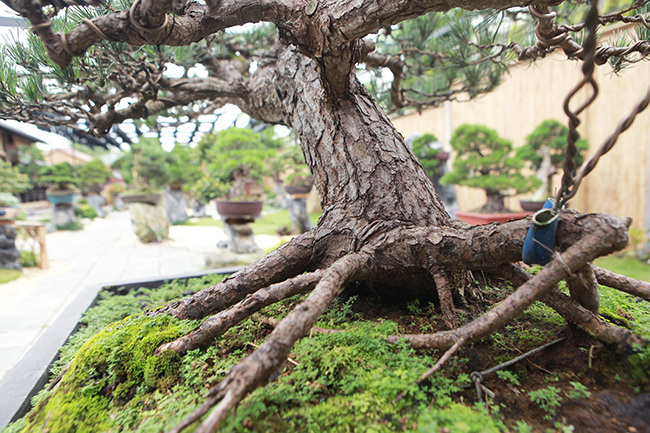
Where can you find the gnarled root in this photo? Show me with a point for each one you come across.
(625, 284)
(287, 261)
(572, 311)
(593, 325)
(218, 324)
(570, 262)
(263, 365)
(584, 288)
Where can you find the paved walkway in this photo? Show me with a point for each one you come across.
(106, 251)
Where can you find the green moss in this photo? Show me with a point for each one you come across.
(106, 373)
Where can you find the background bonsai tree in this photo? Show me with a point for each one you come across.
(293, 165)
(146, 166)
(184, 167)
(427, 155)
(11, 182)
(62, 177)
(484, 160)
(545, 150)
(239, 157)
(93, 176)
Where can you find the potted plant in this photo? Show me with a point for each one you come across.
(63, 180)
(239, 157)
(484, 160)
(32, 164)
(428, 151)
(93, 176)
(545, 150)
(299, 179)
(145, 167)
(11, 182)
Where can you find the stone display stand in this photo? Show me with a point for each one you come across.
(240, 236)
(63, 214)
(176, 206)
(297, 205)
(240, 247)
(97, 202)
(150, 223)
(9, 254)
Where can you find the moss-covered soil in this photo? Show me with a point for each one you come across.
(351, 380)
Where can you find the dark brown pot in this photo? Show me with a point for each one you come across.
(300, 189)
(531, 206)
(239, 209)
(475, 218)
(153, 199)
(442, 156)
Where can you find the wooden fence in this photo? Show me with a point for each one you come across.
(535, 92)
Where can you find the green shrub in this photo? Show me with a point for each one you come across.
(71, 226)
(28, 259)
(84, 210)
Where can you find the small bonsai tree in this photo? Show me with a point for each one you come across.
(484, 160)
(293, 162)
(145, 166)
(94, 175)
(184, 167)
(545, 150)
(427, 155)
(61, 177)
(31, 163)
(238, 157)
(11, 182)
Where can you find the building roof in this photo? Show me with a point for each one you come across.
(16, 131)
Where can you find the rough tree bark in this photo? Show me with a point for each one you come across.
(382, 221)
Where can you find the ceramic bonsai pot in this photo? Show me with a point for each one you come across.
(298, 189)
(152, 199)
(531, 206)
(58, 197)
(239, 209)
(475, 218)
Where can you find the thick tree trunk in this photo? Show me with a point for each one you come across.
(359, 162)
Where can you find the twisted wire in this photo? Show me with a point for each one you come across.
(608, 144)
(139, 26)
(588, 68)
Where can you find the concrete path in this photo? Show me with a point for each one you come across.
(106, 251)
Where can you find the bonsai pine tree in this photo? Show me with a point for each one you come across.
(94, 175)
(485, 160)
(384, 228)
(545, 149)
(238, 156)
(426, 154)
(12, 182)
(146, 166)
(61, 177)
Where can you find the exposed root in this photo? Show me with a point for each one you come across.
(584, 288)
(583, 318)
(263, 365)
(453, 349)
(445, 297)
(572, 260)
(218, 324)
(592, 324)
(287, 261)
(625, 284)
